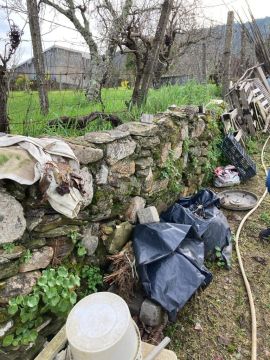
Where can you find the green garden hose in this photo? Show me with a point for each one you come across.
(247, 285)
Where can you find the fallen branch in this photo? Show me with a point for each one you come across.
(82, 121)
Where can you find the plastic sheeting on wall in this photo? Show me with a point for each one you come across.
(202, 211)
(170, 261)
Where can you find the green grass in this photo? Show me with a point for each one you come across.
(265, 217)
(25, 116)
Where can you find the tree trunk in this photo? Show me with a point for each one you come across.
(136, 95)
(161, 67)
(152, 59)
(38, 55)
(117, 26)
(96, 77)
(157, 75)
(4, 123)
(227, 54)
(204, 67)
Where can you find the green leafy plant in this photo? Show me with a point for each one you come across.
(74, 236)
(26, 256)
(220, 260)
(81, 249)
(186, 145)
(252, 146)
(194, 161)
(172, 172)
(93, 277)
(56, 292)
(214, 155)
(9, 247)
(265, 216)
(27, 309)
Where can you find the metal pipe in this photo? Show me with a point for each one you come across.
(154, 353)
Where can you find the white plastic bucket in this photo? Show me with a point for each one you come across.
(100, 327)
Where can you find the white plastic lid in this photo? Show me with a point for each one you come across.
(97, 322)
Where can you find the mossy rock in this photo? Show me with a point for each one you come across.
(8, 269)
(34, 243)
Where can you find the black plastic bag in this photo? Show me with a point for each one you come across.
(170, 261)
(202, 211)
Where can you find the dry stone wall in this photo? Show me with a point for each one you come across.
(128, 168)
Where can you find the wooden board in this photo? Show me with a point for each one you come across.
(247, 116)
(263, 78)
(54, 346)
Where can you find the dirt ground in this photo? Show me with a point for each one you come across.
(216, 324)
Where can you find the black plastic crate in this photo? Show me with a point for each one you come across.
(238, 157)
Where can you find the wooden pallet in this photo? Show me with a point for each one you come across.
(250, 95)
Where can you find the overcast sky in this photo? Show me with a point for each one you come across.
(53, 34)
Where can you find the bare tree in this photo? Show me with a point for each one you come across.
(136, 38)
(79, 14)
(153, 54)
(11, 46)
(151, 61)
(32, 9)
(182, 32)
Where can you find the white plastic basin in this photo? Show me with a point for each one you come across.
(100, 327)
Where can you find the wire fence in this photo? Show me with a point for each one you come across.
(66, 74)
(66, 80)
(67, 107)
(26, 117)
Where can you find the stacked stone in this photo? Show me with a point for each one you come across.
(124, 170)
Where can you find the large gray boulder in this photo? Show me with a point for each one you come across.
(137, 203)
(12, 221)
(40, 259)
(21, 284)
(151, 313)
(119, 150)
(89, 240)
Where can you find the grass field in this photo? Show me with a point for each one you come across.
(25, 117)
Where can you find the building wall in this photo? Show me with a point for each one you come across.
(66, 67)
